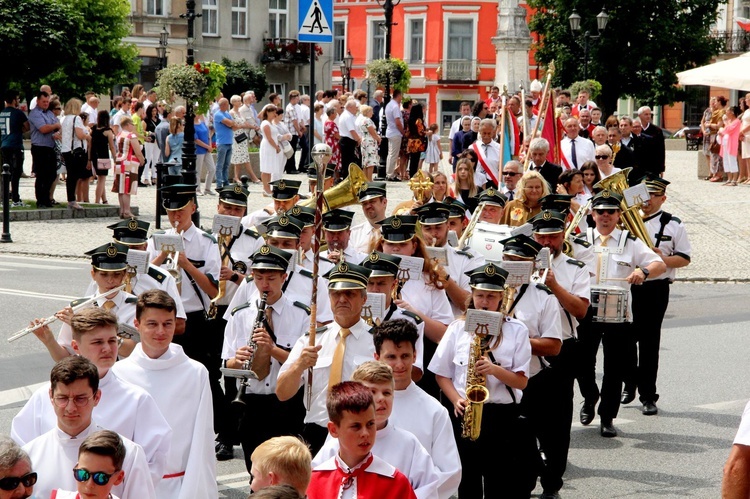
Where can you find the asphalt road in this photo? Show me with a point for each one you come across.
(703, 384)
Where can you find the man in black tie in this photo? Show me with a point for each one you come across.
(538, 150)
(575, 150)
(512, 172)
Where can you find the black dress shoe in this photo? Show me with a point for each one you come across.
(628, 395)
(607, 429)
(650, 409)
(587, 413)
(549, 495)
(224, 452)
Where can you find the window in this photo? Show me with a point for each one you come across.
(239, 18)
(210, 17)
(304, 89)
(377, 42)
(277, 88)
(277, 18)
(460, 39)
(416, 50)
(154, 7)
(339, 41)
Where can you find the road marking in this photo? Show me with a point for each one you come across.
(34, 294)
(20, 394)
(15, 265)
(723, 406)
(233, 476)
(233, 485)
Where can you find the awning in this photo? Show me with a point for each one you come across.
(732, 73)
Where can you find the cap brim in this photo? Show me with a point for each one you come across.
(486, 286)
(381, 273)
(346, 285)
(111, 267)
(130, 241)
(397, 238)
(337, 228)
(493, 203)
(606, 207)
(175, 205)
(368, 197)
(281, 234)
(549, 230)
(283, 197)
(267, 266)
(235, 202)
(433, 221)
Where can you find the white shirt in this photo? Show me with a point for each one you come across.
(359, 349)
(69, 141)
(674, 240)
(124, 408)
(351, 255)
(256, 218)
(55, 454)
(179, 386)
(290, 322)
(460, 262)
(417, 412)
(393, 114)
(451, 358)
(362, 235)
(427, 300)
(242, 248)
(584, 152)
(540, 313)
(348, 125)
(401, 449)
(491, 155)
(576, 280)
(124, 309)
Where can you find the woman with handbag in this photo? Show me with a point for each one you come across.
(240, 160)
(129, 159)
(269, 148)
(417, 143)
(102, 144)
(74, 133)
(284, 138)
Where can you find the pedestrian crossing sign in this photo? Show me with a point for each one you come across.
(315, 21)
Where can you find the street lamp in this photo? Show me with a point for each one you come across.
(188, 148)
(346, 70)
(575, 26)
(387, 6)
(161, 50)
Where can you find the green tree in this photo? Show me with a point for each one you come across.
(72, 45)
(380, 69)
(243, 76)
(639, 53)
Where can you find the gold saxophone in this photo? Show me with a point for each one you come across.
(476, 389)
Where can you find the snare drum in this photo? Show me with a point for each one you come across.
(486, 240)
(610, 304)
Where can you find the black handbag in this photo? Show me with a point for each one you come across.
(240, 137)
(80, 156)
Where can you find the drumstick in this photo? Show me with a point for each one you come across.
(616, 279)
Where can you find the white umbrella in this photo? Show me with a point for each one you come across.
(733, 73)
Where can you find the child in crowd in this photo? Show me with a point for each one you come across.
(434, 154)
(173, 146)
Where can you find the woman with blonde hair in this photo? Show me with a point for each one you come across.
(531, 188)
(370, 142)
(603, 157)
(466, 188)
(75, 136)
(270, 149)
(240, 160)
(129, 158)
(440, 188)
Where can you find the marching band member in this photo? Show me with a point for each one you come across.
(624, 260)
(504, 365)
(337, 230)
(458, 218)
(580, 248)
(494, 205)
(284, 322)
(650, 300)
(374, 202)
(307, 215)
(312, 177)
(285, 194)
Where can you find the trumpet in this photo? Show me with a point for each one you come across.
(469, 230)
(172, 266)
(49, 320)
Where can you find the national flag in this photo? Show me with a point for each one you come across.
(510, 138)
(550, 131)
(743, 22)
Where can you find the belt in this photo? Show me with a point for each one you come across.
(174, 475)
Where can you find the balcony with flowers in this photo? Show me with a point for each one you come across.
(287, 51)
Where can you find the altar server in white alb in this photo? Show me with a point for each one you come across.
(74, 393)
(124, 408)
(180, 387)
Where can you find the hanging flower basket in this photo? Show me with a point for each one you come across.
(199, 83)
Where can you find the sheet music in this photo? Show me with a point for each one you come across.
(636, 195)
(225, 225)
(519, 273)
(168, 242)
(411, 268)
(439, 254)
(483, 322)
(374, 307)
(138, 260)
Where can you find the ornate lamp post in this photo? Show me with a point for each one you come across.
(188, 148)
(575, 26)
(161, 50)
(346, 70)
(388, 6)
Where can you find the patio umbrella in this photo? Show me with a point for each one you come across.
(731, 73)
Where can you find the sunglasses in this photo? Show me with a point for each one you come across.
(601, 157)
(99, 477)
(510, 174)
(608, 211)
(12, 482)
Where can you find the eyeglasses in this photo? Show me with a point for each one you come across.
(608, 211)
(510, 174)
(99, 477)
(602, 157)
(12, 482)
(62, 401)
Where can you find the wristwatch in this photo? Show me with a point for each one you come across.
(645, 271)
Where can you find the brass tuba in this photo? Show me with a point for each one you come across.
(344, 194)
(476, 389)
(630, 217)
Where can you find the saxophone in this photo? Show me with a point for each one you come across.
(476, 389)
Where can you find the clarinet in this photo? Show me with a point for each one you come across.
(247, 365)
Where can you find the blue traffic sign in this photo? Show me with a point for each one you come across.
(315, 21)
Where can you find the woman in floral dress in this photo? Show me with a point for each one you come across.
(370, 142)
(332, 136)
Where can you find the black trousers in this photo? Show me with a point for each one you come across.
(304, 147)
(227, 425)
(617, 341)
(45, 169)
(314, 434)
(650, 302)
(74, 171)
(349, 154)
(265, 416)
(414, 163)
(291, 164)
(14, 158)
(589, 338)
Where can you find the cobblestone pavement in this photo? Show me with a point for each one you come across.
(717, 219)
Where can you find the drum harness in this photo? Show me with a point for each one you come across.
(605, 251)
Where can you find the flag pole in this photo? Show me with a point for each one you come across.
(546, 98)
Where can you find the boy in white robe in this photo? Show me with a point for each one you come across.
(180, 387)
(74, 393)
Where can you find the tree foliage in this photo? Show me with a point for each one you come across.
(243, 76)
(379, 69)
(639, 53)
(72, 45)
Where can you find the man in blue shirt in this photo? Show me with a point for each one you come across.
(224, 126)
(13, 123)
(45, 128)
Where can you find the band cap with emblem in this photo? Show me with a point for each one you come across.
(548, 222)
(284, 227)
(398, 228)
(371, 191)
(655, 185)
(382, 265)
(132, 232)
(110, 257)
(285, 189)
(347, 276)
(457, 208)
(312, 171)
(433, 213)
(556, 202)
(176, 197)
(521, 246)
(492, 196)
(488, 277)
(235, 194)
(270, 258)
(304, 213)
(337, 220)
(606, 199)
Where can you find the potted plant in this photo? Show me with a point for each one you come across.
(199, 83)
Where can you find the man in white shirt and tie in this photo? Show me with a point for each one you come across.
(488, 151)
(512, 172)
(575, 150)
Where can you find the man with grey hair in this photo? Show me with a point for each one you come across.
(512, 172)
(248, 111)
(538, 150)
(657, 154)
(488, 152)
(574, 149)
(16, 476)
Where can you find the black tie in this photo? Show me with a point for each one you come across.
(573, 152)
(510, 195)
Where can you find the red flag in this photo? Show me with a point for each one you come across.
(743, 23)
(550, 132)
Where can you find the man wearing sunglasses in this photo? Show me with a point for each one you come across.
(74, 392)
(623, 261)
(16, 478)
(511, 175)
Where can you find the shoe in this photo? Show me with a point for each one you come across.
(607, 429)
(650, 409)
(224, 452)
(587, 413)
(104, 201)
(209, 192)
(74, 206)
(141, 184)
(716, 179)
(53, 203)
(33, 175)
(628, 395)
(19, 204)
(549, 495)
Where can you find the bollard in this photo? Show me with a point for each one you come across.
(161, 169)
(6, 205)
